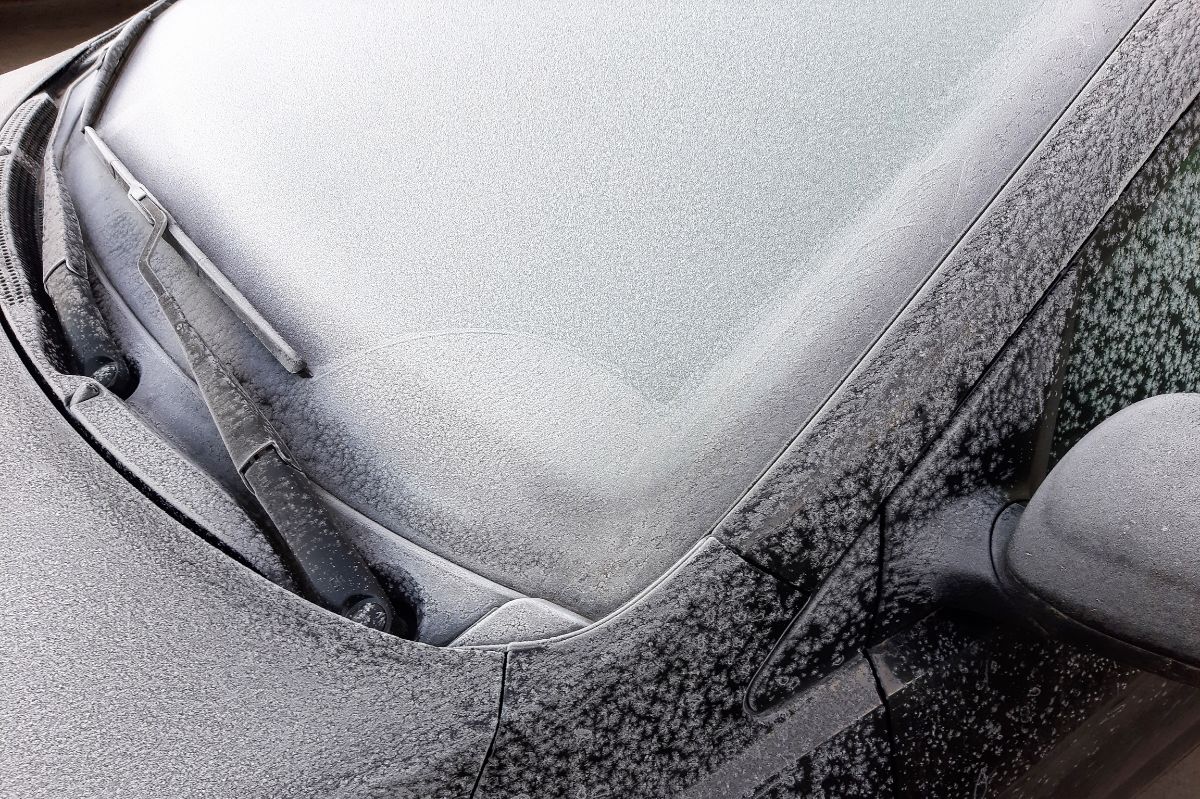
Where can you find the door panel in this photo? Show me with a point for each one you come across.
(976, 704)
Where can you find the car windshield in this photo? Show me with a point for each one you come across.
(567, 281)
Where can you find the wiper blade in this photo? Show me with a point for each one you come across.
(220, 285)
(329, 569)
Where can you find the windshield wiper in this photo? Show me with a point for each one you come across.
(65, 278)
(329, 569)
(274, 342)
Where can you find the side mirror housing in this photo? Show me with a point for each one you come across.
(1108, 549)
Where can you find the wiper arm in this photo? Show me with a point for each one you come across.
(328, 568)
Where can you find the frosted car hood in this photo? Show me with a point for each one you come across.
(569, 278)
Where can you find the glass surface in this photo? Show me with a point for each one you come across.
(1137, 321)
(570, 277)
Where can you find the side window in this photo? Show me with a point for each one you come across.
(1136, 325)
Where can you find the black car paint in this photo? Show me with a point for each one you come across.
(639, 690)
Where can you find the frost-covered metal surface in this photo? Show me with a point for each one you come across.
(140, 661)
(829, 739)
(980, 712)
(1123, 747)
(854, 764)
(1110, 543)
(192, 492)
(1114, 328)
(657, 690)
(830, 630)
(803, 514)
(1120, 326)
(521, 619)
(973, 708)
(942, 515)
(569, 232)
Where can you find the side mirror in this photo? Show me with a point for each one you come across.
(1108, 549)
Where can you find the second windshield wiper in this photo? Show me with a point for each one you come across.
(90, 343)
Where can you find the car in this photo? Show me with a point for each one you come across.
(623, 400)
